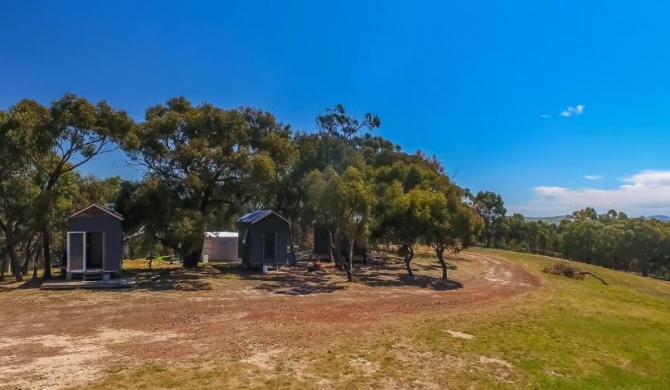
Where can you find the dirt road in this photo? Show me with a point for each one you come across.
(55, 339)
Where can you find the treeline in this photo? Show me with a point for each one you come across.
(611, 240)
(204, 166)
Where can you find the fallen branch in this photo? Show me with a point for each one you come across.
(567, 269)
(588, 273)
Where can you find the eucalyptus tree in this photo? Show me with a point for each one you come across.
(18, 189)
(517, 234)
(647, 243)
(491, 208)
(412, 204)
(344, 202)
(202, 160)
(580, 237)
(336, 122)
(454, 224)
(61, 138)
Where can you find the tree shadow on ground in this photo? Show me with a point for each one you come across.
(388, 272)
(420, 281)
(26, 284)
(299, 285)
(183, 279)
(393, 274)
(291, 281)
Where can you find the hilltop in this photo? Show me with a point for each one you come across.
(557, 219)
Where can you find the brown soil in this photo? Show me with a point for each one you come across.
(55, 339)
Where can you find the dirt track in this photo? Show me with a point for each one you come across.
(52, 339)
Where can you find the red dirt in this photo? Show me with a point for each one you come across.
(175, 313)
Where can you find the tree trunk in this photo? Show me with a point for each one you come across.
(338, 256)
(349, 267)
(645, 267)
(28, 257)
(291, 238)
(191, 260)
(408, 259)
(439, 251)
(14, 261)
(3, 265)
(334, 252)
(36, 262)
(10, 246)
(46, 252)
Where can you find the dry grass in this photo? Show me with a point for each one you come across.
(314, 330)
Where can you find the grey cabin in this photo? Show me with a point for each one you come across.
(263, 239)
(94, 242)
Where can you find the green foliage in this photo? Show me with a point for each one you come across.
(206, 165)
(491, 208)
(200, 159)
(41, 145)
(344, 202)
(611, 240)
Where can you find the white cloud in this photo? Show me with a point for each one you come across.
(593, 177)
(645, 193)
(545, 116)
(570, 111)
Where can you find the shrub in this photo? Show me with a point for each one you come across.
(566, 269)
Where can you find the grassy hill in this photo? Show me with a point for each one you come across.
(582, 334)
(566, 334)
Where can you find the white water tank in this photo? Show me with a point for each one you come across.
(220, 246)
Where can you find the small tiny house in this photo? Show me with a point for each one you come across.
(220, 246)
(263, 239)
(94, 242)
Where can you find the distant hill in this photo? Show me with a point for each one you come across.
(555, 220)
(662, 218)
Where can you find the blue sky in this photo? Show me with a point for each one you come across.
(469, 82)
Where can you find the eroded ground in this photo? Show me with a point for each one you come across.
(249, 327)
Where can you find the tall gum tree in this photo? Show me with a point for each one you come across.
(344, 202)
(454, 225)
(491, 208)
(200, 158)
(18, 190)
(62, 138)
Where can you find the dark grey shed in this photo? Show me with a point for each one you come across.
(94, 241)
(263, 238)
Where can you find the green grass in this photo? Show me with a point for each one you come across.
(567, 334)
(578, 334)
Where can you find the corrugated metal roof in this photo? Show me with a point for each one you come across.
(257, 215)
(221, 234)
(254, 216)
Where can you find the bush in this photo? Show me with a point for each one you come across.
(566, 269)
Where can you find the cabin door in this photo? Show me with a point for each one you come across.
(269, 248)
(76, 251)
(95, 250)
